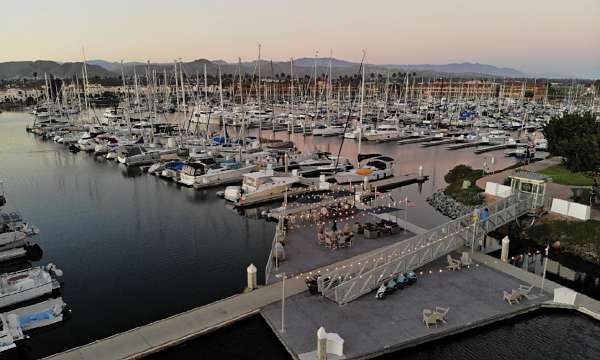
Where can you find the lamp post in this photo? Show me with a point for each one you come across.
(545, 268)
(282, 276)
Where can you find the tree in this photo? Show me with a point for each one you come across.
(576, 137)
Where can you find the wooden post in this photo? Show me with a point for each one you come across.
(321, 344)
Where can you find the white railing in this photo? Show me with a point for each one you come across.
(350, 281)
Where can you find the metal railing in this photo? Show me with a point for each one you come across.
(353, 280)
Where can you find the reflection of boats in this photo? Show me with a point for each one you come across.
(28, 284)
(14, 323)
(375, 168)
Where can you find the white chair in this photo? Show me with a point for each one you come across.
(465, 259)
(335, 344)
(452, 263)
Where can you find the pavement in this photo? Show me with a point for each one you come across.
(371, 327)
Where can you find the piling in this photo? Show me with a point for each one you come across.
(251, 272)
(321, 344)
(504, 254)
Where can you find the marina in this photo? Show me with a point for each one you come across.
(285, 189)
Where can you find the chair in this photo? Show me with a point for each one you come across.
(429, 318)
(524, 290)
(511, 297)
(465, 259)
(452, 263)
(442, 313)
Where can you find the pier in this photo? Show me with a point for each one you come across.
(493, 148)
(440, 142)
(370, 327)
(467, 145)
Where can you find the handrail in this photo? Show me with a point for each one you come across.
(365, 274)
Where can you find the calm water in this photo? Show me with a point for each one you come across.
(135, 249)
(539, 336)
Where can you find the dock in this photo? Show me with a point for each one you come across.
(440, 142)
(398, 181)
(370, 327)
(493, 148)
(417, 140)
(467, 145)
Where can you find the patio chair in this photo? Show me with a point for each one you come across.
(465, 259)
(453, 264)
(429, 318)
(524, 290)
(442, 313)
(511, 297)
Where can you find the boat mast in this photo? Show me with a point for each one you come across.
(221, 100)
(258, 99)
(182, 88)
(293, 119)
(176, 84)
(126, 91)
(362, 100)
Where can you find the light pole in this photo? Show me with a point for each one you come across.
(282, 276)
(545, 268)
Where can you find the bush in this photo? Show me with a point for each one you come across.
(455, 179)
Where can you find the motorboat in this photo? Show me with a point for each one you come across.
(260, 186)
(28, 284)
(383, 132)
(375, 168)
(14, 323)
(132, 155)
(228, 172)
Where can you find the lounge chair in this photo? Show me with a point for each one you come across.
(452, 263)
(429, 318)
(524, 290)
(511, 297)
(442, 313)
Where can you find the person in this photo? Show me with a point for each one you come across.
(334, 227)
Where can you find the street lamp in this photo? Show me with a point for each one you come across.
(545, 268)
(282, 276)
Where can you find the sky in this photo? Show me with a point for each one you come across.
(534, 36)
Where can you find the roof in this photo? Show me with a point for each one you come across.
(530, 175)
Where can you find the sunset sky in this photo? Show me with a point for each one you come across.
(535, 36)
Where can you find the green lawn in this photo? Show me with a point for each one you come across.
(564, 176)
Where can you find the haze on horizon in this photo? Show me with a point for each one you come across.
(534, 36)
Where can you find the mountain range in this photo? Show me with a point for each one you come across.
(302, 67)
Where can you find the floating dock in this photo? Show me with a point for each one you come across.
(493, 148)
(440, 142)
(417, 140)
(467, 144)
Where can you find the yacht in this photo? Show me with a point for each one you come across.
(376, 168)
(259, 186)
(132, 155)
(328, 130)
(227, 173)
(383, 132)
(28, 284)
(13, 323)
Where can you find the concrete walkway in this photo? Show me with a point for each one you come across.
(156, 336)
